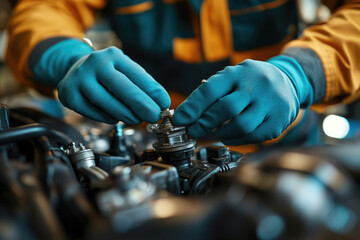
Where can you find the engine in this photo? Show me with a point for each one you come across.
(57, 183)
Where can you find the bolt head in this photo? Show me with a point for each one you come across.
(167, 113)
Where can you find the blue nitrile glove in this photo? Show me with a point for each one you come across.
(103, 85)
(251, 102)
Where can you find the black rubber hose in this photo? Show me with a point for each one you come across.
(207, 176)
(36, 116)
(32, 131)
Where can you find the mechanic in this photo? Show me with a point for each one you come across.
(180, 42)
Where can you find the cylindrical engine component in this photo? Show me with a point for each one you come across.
(80, 156)
(83, 161)
(174, 145)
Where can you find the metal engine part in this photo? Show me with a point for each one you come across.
(83, 161)
(48, 192)
(176, 148)
(80, 156)
(174, 145)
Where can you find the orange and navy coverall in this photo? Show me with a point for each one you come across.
(180, 42)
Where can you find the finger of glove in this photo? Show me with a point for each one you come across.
(224, 109)
(143, 80)
(105, 101)
(266, 131)
(78, 102)
(204, 96)
(131, 95)
(243, 124)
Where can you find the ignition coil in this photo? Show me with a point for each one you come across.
(174, 145)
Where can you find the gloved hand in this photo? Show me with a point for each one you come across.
(105, 85)
(251, 102)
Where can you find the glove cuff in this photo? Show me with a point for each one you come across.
(297, 76)
(58, 59)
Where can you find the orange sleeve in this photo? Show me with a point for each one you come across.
(337, 44)
(33, 21)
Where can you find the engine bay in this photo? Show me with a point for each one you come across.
(61, 182)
